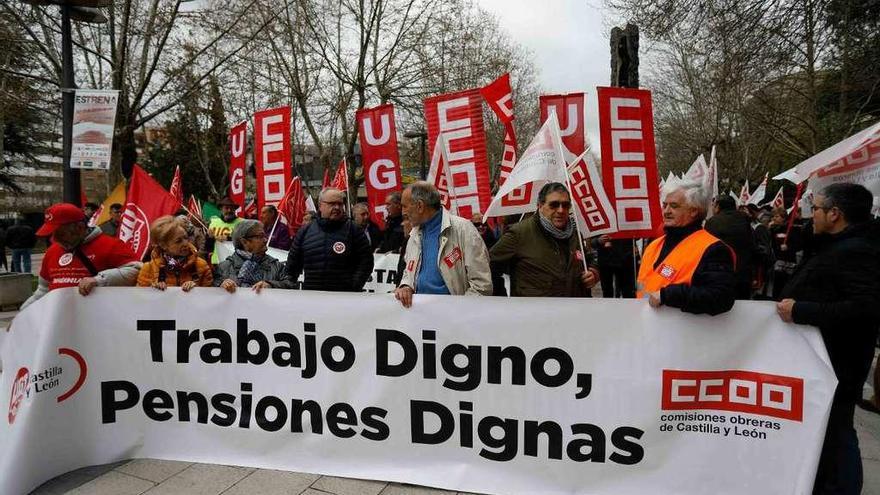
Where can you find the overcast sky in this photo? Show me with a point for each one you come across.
(569, 39)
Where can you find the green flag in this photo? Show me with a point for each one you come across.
(209, 211)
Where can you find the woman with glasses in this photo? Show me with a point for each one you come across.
(249, 265)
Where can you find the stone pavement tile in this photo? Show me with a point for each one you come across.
(871, 473)
(312, 491)
(270, 482)
(202, 479)
(404, 489)
(348, 486)
(69, 481)
(113, 483)
(154, 470)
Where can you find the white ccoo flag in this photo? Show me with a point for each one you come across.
(542, 162)
(759, 193)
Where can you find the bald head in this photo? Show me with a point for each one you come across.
(332, 205)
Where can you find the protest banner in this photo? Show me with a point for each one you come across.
(463, 393)
(237, 162)
(94, 118)
(378, 137)
(570, 116)
(629, 160)
(146, 201)
(272, 155)
(460, 117)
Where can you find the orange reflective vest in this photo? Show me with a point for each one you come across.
(679, 265)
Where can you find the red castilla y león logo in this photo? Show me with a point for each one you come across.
(44, 381)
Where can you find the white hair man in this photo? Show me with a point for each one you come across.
(445, 254)
(687, 267)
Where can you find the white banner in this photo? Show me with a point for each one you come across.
(481, 394)
(94, 117)
(384, 277)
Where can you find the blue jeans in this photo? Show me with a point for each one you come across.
(21, 260)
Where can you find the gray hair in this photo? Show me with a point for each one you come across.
(241, 231)
(694, 193)
(361, 206)
(325, 192)
(426, 193)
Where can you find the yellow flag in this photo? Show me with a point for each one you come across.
(117, 196)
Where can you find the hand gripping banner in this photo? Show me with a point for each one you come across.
(476, 394)
(237, 162)
(378, 138)
(629, 160)
(570, 115)
(460, 117)
(272, 155)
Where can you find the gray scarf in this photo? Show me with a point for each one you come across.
(249, 273)
(556, 233)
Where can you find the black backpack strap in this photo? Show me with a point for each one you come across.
(85, 261)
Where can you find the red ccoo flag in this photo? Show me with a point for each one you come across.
(326, 182)
(340, 181)
(293, 205)
(176, 188)
(146, 202)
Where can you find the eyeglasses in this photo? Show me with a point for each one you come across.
(817, 207)
(333, 203)
(262, 235)
(555, 205)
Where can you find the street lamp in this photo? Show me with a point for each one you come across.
(80, 11)
(422, 136)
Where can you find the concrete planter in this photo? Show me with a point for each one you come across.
(15, 288)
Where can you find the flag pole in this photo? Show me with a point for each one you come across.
(347, 186)
(272, 232)
(570, 196)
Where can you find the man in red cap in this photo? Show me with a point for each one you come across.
(81, 256)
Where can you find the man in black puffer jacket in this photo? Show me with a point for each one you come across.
(837, 290)
(332, 251)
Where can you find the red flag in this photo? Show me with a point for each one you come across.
(629, 160)
(272, 155)
(146, 202)
(380, 158)
(194, 207)
(340, 180)
(326, 182)
(591, 203)
(237, 149)
(499, 97)
(96, 215)
(292, 206)
(176, 188)
(569, 111)
(460, 117)
(250, 209)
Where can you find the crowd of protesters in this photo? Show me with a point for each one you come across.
(822, 272)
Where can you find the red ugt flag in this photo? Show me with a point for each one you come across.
(293, 205)
(340, 181)
(176, 188)
(146, 202)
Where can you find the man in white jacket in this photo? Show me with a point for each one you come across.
(445, 253)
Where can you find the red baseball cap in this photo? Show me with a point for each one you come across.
(60, 214)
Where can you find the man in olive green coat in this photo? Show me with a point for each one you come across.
(542, 253)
